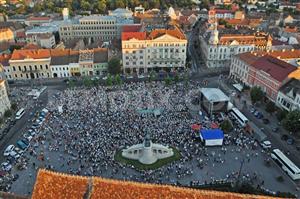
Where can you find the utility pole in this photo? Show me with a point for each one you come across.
(239, 175)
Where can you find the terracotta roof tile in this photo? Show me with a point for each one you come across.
(248, 57)
(52, 185)
(38, 18)
(34, 54)
(132, 28)
(131, 35)
(276, 68)
(172, 32)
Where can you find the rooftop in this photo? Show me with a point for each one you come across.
(248, 57)
(276, 68)
(291, 88)
(135, 35)
(31, 54)
(38, 18)
(214, 95)
(52, 185)
(97, 18)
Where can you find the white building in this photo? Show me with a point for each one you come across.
(217, 49)
(44, 40)
(94, 27)
(288, 97)
(160, 49)
(4, 100)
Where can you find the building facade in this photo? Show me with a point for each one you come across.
(289, 96)
(267, 72)
(157, 50)
(6, 35)
(4, 100)
(29, 64)
(93, 28)
(218, 49)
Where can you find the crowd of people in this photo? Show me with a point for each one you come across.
(95, 123)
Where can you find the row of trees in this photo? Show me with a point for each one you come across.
(95, 6)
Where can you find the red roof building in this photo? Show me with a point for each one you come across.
(267, 72)
(133, 35)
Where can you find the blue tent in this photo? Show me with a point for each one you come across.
(211, 134)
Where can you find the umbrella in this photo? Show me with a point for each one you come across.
(214, 125)
(196, 127)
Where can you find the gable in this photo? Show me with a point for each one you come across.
(234, 43)
(166, 37)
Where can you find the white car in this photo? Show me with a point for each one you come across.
(266, 144)
(6, 166)
(8, 150)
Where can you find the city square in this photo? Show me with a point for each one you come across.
(97, 122)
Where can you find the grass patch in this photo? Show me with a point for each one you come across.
(118, 157)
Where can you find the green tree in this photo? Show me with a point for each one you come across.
(114, 66)
(270, 107)
(14, 106)
(85, 5)
(120, 4)
(87, 82)
(226, 126)
(118, 80)
(176, 78)
(256, 94)
(152, 76)
(281, 114)
(168, 80)
(7, 113)
(101, 6)
(292, 121)
(109, 81)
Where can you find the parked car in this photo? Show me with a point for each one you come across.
(5, 166)
(266, 144)
(252, 110)
(8, 150)
(284, 137)
(260, 115)
(290, 141)
(266, 121)
(22, 145)
(275, 129)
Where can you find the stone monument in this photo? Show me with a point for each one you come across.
(147, 152)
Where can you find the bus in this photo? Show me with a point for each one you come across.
(286, 164)
(20, 113)
(239, 116)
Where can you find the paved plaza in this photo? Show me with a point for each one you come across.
(98, 121)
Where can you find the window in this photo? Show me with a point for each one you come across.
(14, 68)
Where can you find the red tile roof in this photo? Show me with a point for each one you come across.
(172, 32)
(276, 68)
(31, 47)
(34, 54)
(132, 28)
(21, 35)
(136, 35)
(248, 57)
(53, 185)
(38, 18)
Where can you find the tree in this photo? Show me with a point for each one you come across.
(256, 94)
(281, 114)
(176, 78)
(114, 66)
(152, 76)
(101, 6)
(118, 80)
(270, 107)
(226, 126)
(7, 113)
(109, 81)
(14, 106)
(168, 80)
(87, 82)
(292, 121)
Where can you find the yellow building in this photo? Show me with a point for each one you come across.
(6, 35)
(30, 64)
